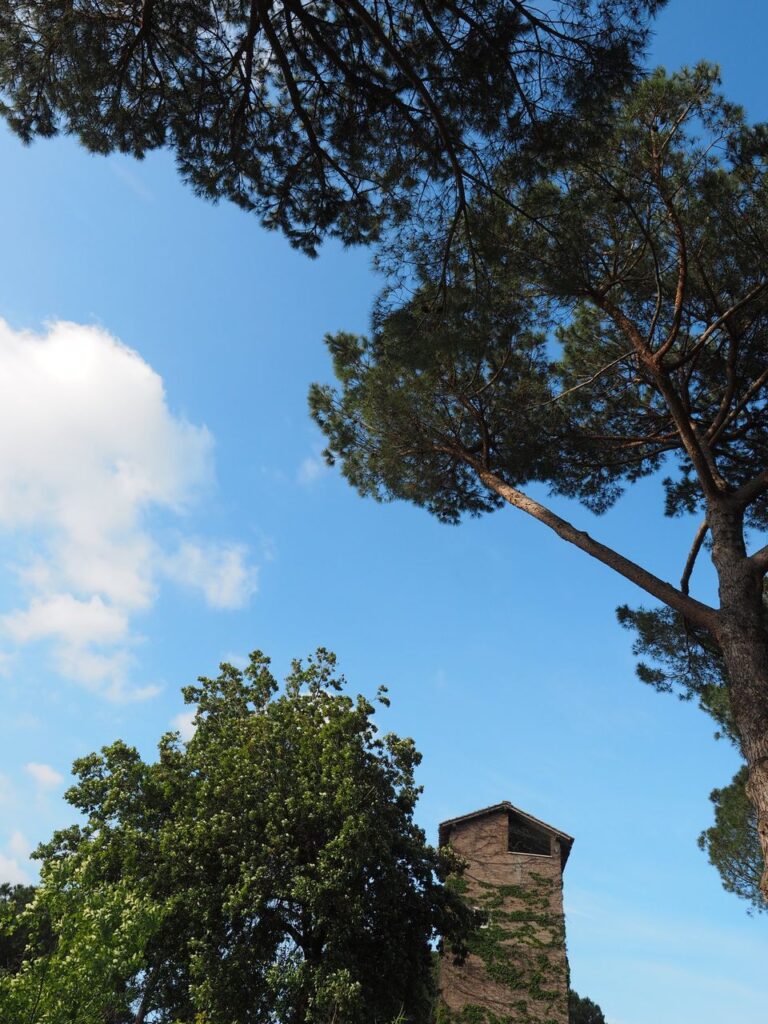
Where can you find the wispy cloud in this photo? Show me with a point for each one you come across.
(241, 661)
(19, 845)
(130, 178)
(659, 958)
(183, 723)
(312, 468)
(14, 859)
(11, 871)
(221, 572)
(46, 777)
(96, 453)
(664, 932)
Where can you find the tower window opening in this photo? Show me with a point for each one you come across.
(523, 837)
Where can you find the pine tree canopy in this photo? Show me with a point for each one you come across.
(603, 323)
(620, 329)
(732, 843)
(322, 116)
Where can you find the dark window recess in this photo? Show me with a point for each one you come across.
(482, 917)
(526, 838)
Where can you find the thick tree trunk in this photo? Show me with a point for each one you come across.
(743, 637)
(746, 658)
(149, 986)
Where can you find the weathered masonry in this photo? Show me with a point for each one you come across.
(517, 970)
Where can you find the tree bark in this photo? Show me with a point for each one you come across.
(746, 658)
(696, 611)
(742, 634)
(149, 988)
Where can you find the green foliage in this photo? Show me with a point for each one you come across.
(94, 971)
(682, 659)
(582, 1010)
(732, 843)
(17, 932)
(531, 375)
(269, 870)
(321, 117)
(602, 322)
(406, 402)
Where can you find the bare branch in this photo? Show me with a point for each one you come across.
(760, 560)
(699, 613)
(748, 492)
(745, 399)
(426, 96)
(682, 253)
(701, 459)
(719, 322)
(321, 153)
(693, 554)
(591, 380)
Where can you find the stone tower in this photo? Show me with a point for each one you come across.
(516, 971)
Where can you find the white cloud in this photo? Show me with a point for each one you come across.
(241, 661)
(19, 845)
(68, 618)
(108, 675)
(44, 775)
(310, 470)
(183, 723)
(11, 871)
(95, 451)
(220, 571)
(13, 860)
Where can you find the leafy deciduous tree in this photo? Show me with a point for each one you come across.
(267, 871)
(17, 935)
(621, 332)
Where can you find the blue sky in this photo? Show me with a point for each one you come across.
(163, 507)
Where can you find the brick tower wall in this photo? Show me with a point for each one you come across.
(517, 971)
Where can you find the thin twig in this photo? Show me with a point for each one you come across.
(591, 380)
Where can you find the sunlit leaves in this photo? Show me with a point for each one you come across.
(269, 870)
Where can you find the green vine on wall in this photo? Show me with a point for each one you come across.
(520, 942)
